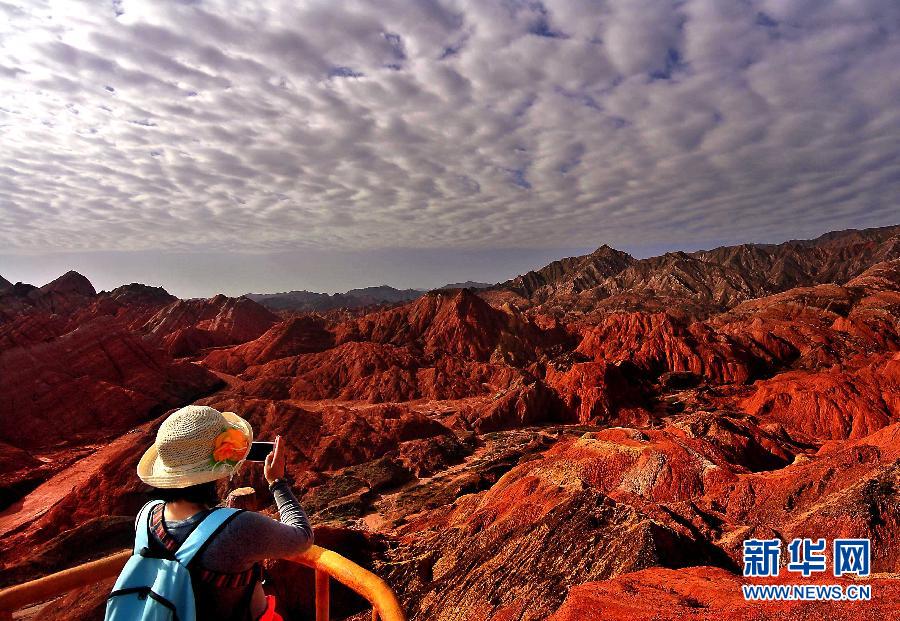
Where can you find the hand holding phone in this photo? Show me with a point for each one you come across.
(259, 451)
(274, 464)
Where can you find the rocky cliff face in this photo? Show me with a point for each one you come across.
(93, 382)
(599, 435)
(185, 327)
(298, 335)
(571, 275)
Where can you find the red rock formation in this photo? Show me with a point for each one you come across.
(61, 296)
(371, 372)
(19, 472)
(695, 455)
(838, 403)
(98, 486)
(656, 343)
(534, 457)
(455, 322)
(696, 284)
(65, 294)
(298, 335)
(809, 327)
(522, 403)
(333, 436)
(354, 436)
(187, 326)
(598, 392)
(570, 275)
(29, 328)
(132, 304)
(67, 303)
(522, 543)
(843, 490)
(711, 594)
(93, 382)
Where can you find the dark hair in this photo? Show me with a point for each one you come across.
(201, 494)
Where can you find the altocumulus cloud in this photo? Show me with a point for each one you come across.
(474, 124)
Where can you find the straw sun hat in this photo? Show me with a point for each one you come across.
(196, 444)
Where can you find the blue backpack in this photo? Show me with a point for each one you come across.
(153, 588)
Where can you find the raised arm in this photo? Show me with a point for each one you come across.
(289, 508)
(253, 537)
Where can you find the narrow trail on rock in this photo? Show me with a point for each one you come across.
(232, 381)
(46, 495)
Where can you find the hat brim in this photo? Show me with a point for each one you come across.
(153, 472)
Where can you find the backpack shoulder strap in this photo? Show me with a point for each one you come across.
(204, 532)
(141, 538)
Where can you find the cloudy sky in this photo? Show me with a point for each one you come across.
(219, 145)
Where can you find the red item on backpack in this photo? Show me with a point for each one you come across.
(270, 614)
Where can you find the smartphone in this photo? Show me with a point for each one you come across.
(259, 450)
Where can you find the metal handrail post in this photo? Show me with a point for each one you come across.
(323, 601)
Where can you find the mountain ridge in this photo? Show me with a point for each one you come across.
(703, 281)
(303, 300)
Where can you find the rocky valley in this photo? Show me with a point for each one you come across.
(592, 440)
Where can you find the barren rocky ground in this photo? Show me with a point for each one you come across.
(591, 440)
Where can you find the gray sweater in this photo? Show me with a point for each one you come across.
(248, 538)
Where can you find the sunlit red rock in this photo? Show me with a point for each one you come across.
(522, 543)
(598, 392)
(591, 440)
(524, 402)
(455, 322)
(711, 594)
(299, 335)
(657, 343)
(93, 382)
(185, 327)
(849, 401)
(374, 372)
(842, 490)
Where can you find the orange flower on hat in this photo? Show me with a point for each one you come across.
(230, 446)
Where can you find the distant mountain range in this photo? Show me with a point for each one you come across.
(354, 298)
(469, 284)
(696, 283)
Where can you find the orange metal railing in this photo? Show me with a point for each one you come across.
(326, 563)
